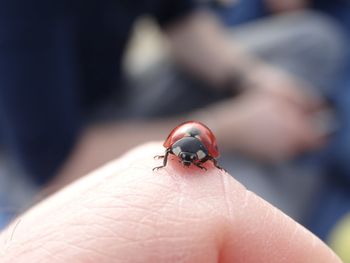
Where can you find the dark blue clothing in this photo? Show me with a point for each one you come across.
(250, 10)
(338, 9)
(241, 12)
(333, 203)
(58, 60)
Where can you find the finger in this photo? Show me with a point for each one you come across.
(125, 212)
(308, 137)
(305, 98)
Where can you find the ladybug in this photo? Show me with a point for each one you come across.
(193, 143)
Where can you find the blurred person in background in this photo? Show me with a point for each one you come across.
(61, 63)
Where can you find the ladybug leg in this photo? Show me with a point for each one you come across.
(215, 162)
(165, 160)
(157, 157)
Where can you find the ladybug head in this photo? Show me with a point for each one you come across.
(189, 150)
(187, 158)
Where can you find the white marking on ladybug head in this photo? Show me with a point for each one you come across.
(198, 137)
(201, 154)
(187, 134)
(177, 150)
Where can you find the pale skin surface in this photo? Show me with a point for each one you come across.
(125, 212)
(200, 45)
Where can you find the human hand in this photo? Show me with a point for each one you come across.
(263, 127)
(125, 212)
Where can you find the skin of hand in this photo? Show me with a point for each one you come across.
(263, 127)
(125, 212)
(201, 45)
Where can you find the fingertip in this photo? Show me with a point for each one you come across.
(262, 233)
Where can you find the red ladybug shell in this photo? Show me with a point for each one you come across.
(194, 129)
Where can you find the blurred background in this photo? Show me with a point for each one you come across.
(81, 82)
